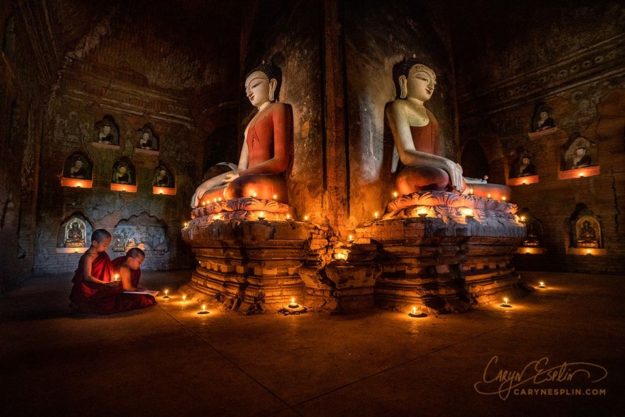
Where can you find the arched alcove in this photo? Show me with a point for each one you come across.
(77, 171)
(74, 234)
(163, 180)
(585, 232)
(124, 176)
(106, 134)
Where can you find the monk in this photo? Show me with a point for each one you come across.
(94, 290)
(129, 269)
(265, 154)
(419, 159)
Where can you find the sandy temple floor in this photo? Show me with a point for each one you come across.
(169, 361)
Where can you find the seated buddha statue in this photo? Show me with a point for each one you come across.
(265, 154)
(418, 143)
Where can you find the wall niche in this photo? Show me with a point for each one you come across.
(146, 232)
(533, 242)
(124, 176)
(585, 233)
(106, 133)
(147, 142)
(523, 169)
(578, 158)
(77, 171)
(164, 181)
(74, 235)
(543, 122)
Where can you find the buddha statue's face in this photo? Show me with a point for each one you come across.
(122, 169)
(258, 88)
(78, 164)
(580, 151)
(106, 129)
(420, 82)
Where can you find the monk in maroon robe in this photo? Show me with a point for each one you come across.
(129, 269)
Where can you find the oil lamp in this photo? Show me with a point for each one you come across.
(261, 215)
(166, 296)
(422, 212)
(203, 310)
(116, 277)
(506, 303)
(254, 194)
(395, 194)
(306, 218)
(376, 215)
(416, 312)
(467, 212)
(275, 196)
(541, 284)
(293, 304)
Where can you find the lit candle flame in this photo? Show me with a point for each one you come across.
(467, 212)
(503, 198)
(292, 300)
(184, 297)
(203, 307)
(488, 195)
(395, 194)
(376, 215)
(254, 194)
(470, 190)
(542, 283)
(414, 310)
(350, 238)
(116, 277)
(166, 292)
(275, 196)
(288, 216)
(422, 211)
(261, 215)
(306, 218)
(505, 300)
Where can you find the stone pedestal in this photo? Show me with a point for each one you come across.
(440, 251)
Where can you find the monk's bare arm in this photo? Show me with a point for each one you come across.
(87, 269)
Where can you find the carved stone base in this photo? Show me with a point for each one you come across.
(249, 266)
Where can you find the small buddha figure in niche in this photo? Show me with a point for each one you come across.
(580, 158)
(161, 177)
(526, 167)
(105, 135)
(418, 142)
(121, 174)
(544, 121)
(78, 169)
(75, 235)
(587, 236)
(265, 154)
(146, 140)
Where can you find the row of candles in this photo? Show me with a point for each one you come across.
(415, 312)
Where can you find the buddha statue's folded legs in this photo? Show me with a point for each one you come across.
(421, 178)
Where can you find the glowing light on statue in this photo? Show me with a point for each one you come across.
(395, 194)
(288, 216)
(350, 238)
(422, 212)
(306, 218)
(254, 194)
(261, 215)
(522, 219)
(488, 195)
(275, 196)
(376, 215)
(184, 297)
(341, 254)
(185, 225)
(503, 198)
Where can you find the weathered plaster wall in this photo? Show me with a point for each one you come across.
(572, 60)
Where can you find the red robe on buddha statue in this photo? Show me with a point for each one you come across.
(91, 297)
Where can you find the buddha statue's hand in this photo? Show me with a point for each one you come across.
(455, 174)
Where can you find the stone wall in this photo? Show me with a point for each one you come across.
(570, 62)
(83, 98)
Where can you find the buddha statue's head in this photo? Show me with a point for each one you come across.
(262, 84)
(416, 80)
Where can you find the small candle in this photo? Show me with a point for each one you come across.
(166, 296)
(261, 215)
(522, 218)
(293, 304)
(376, 215)
(350, 238)
(470, 190)
(542, 284)
(488, 195)
(254, 194)
(203, 310)
(422, 212)
(219, 199)
(467, 212)
(416, 312)
(116, 277)
(395, 194)
(288, 216)
(506, 302)
(306, 218)
(503, 198)
(275, 196)
(184, 297)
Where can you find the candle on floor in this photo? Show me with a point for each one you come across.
(166, 296)
(416, 312)
(203, 310)
(376, 215)
(288, 216)
(541, 284)
(506, 303)
(116, 277)
(261, 215)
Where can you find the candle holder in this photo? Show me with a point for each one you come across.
(506, 303)
(293, 304)
(166, 296)
(422, 212)
(261, 215)
(116, 277)
(541, 284)
(203, 310)
(416, 313)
